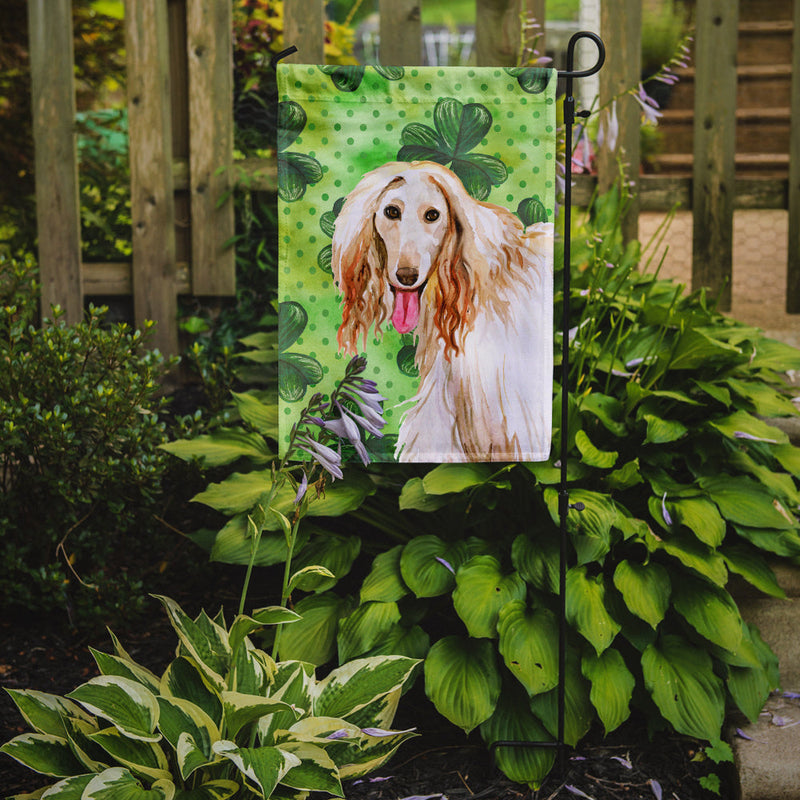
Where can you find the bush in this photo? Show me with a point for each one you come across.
(79, 430)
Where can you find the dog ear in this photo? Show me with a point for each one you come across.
(359, 259)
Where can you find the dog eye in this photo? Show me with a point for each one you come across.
(392, 212)
(431, 215)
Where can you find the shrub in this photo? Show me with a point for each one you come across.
(223, 720)
(79, 429)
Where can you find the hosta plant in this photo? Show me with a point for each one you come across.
(224, 720)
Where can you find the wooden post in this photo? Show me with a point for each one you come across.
(498, 30)
(717, 24)
(793, 268)
(210, 53)
(56, 159)
(400, 32)
(621, 28)
(152, 202)
(304, 27)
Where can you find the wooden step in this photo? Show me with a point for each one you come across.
(761, 42)
(753, 10)
(766, 165)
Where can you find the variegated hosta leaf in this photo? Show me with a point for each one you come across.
(513, 721)
(294, 685)
(125, 668)
(612, 686)
(68, 789)
(45, 712)
(356, 684)
(481, 591)
(183, 679)
(373, 752)
(180, 717)
(146, 759)
(117, 783)
(365, 627)
(78, 733)
(262, 766)
(212, 790)
(205, 641)
(646, 589)
(242, 709)
(529, 645)
(462, 680)
(190, 755)
(44, 753)
(683, 685)
(316, 771)
(586, 608)
(252, 670)
(244, 625)
(126, 704)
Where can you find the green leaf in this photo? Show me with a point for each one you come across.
(313, 638)
(238, 492)
(462, 680)
(415, 134)
(512, 721)
(461, 126)
(626, 477)
(782, 543)
(709, 610)
(745, 502)
(696, 350)
(663, 431)
(586, 608)
(261, 416)
(212, 790)
(749, 687)
(316, 772)
(645, 588)
(609, 410)
(183, 680)
(691, 553)
(223, 446)
(296, 372)
(334, 553)
(365, 627)
(67, 789)
(537, 560)
(740, 422)
(448, 478)
(532, 80)
(701, 517)
(44, 712)
(264, 766)
(126, 704)
(414, 497)
(291, 121)
(612, 687)
(347, 77)
(389, 72)
(529, 645)
(481, 591)
(325, 259)
(117, 783)
(385, 581)
(241, 709)
(683, 685)
(145, 759)
(746, 561)
(178, 716)
(126, 668)
(292, 321)
(766, 401)
(422, 567)
(593, 457)
(44, 753)
(531, 210)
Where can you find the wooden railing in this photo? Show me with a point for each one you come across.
(181, 141)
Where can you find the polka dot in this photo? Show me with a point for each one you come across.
(401, 113)
(484, 87)
(325, 197)
(427, 87)
(337, 126)
(350, 140)
(350, 112)
(299, 253)
(311, 126)
(510, 198)
(510, 142)
(376, 113)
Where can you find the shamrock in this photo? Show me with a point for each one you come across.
(348, 78)
(459, 128)
(531, 210)
(532, 80)
(296, 371)
(295, 170)
(327, 222)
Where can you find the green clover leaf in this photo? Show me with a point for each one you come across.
(532, 80)
(531, 210)
(347, 78)
(296, 371)
(295, 170)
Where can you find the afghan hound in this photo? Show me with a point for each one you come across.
(411, 247)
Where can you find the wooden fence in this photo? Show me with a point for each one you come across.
(180, 92)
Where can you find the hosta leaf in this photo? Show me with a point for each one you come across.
(238, 492)
(749, 688)
(692, 553)
(223, 446)
(424, 565)
(745, 502)
(481, 591)
(597, 517)
(645, 588)
(663, 431)
(586, 608)
(696, 349)
(612, 687)
(462, 680)
(117, 783)
(212, 790)
(683, 685)
(126, 704)
(740, 422)
(291, 121)
(241, 709)
(68, 789)
(335, 553)
(709, 610)
(414, 497)
(601, 459)
(365, 627)
(183, 680)
(44, 753)
(447, 478)
(178, 716)
(264, 766)
(774, 355)
(746, 561)
(529, 645)
(578, 710)
(627, 476)
(788, 455)
(766, 401)
(537, 561)
(512, 721)
(360, 682)
(126, 668)
(44, 712)
(461, 126)
(313, 638)
(145, 759)
(701, 517)
(244, 625)
(259, 415)
(782, 543)
(316, 771)
(608, 410)
(369, 754)
(385, 582)
(399, 640)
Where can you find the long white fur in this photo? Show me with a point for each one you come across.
(491, 398)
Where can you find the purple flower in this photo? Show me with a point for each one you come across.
(655, 786)
(380, 732)
(624, 761)
(751, 437)
(664, 512)
(577, 792)
(301, 489)
(342, 733)
(608, 131)
(649, 106)
(445, 563)
(328, 459)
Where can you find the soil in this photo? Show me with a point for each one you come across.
(45, 654)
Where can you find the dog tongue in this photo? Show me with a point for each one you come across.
(406, 310)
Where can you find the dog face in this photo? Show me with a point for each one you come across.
(412, 220)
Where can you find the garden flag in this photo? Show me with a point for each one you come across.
(416, 228)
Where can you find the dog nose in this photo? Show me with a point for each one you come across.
(407, 275)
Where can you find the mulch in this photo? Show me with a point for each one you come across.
(45, 654)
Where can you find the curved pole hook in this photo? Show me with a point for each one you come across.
(570, 72)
